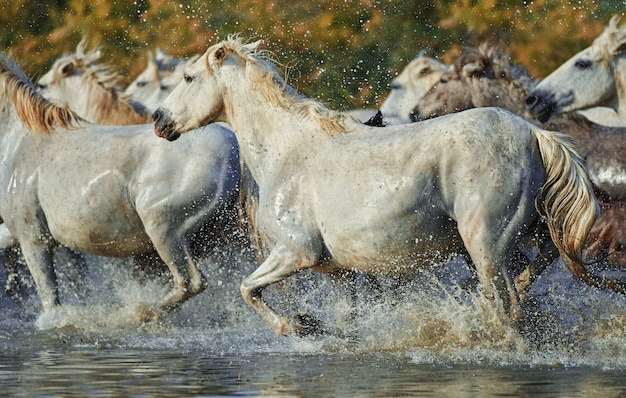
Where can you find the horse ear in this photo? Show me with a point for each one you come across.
(80, 48)
(220, 54)
(252, 47)
(67, 69)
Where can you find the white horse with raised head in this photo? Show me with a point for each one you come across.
(110, 191)
(595, 77)
(410, 85)
(80, 83)
(335, 194)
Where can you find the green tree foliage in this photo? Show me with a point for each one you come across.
(344, 53)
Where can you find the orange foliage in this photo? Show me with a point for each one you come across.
(345, 53)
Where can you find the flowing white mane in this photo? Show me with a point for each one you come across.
(264, 76)
(37, 113)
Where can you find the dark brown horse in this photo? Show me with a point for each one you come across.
(485, 77)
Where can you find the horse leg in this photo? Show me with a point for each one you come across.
(491, 251)
(39, 261)
(547, 253)
(280, 264)
(186, 277)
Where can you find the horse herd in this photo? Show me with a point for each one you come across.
(315, 188)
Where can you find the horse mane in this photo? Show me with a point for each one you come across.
(489, 61)
(262, 72)
(110, 106)
(613, 37)
(37, 113)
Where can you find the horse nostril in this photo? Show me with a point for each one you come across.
(531, 100)
(157, 115)
(414, 116)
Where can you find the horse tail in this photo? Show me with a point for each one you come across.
(570, 205)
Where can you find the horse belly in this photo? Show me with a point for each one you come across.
(97, 221)
(399, 249)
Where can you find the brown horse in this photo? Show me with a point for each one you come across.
(485, 77)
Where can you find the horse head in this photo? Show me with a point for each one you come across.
(586, 80)
(205, 78)
(481, 77)
(411, 84)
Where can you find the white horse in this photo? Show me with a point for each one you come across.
(148, 82)
(78, 82)
(110, 191)
(410, 85)
(335, 194)
(596, 76)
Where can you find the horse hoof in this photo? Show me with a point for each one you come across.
(306, 325)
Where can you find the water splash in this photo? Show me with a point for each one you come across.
(439, 318)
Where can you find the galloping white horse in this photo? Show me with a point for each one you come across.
(410, 85)
(335, 194)
(110, 191)
(593, 77)
(78, 82)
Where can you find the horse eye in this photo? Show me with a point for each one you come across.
(396, 86)
(583, 63)
(141, 84)
(425, 71)
(188, 79)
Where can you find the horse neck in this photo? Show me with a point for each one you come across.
(269, 136)
(10, 129)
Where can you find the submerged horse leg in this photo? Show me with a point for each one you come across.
(281, 263)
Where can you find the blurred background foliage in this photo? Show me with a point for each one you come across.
(344, 53)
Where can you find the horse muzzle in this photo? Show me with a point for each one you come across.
(541, 104)
(164, 126)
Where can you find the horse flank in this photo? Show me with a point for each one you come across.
(265, 78)
(37, 113)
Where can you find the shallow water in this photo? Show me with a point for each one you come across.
(434, 337)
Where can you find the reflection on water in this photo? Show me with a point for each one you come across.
(436, 336)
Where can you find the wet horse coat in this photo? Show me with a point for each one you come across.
(484, 77)
(335, 194)
(111, 191)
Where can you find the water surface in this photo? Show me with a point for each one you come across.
(436, 336)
